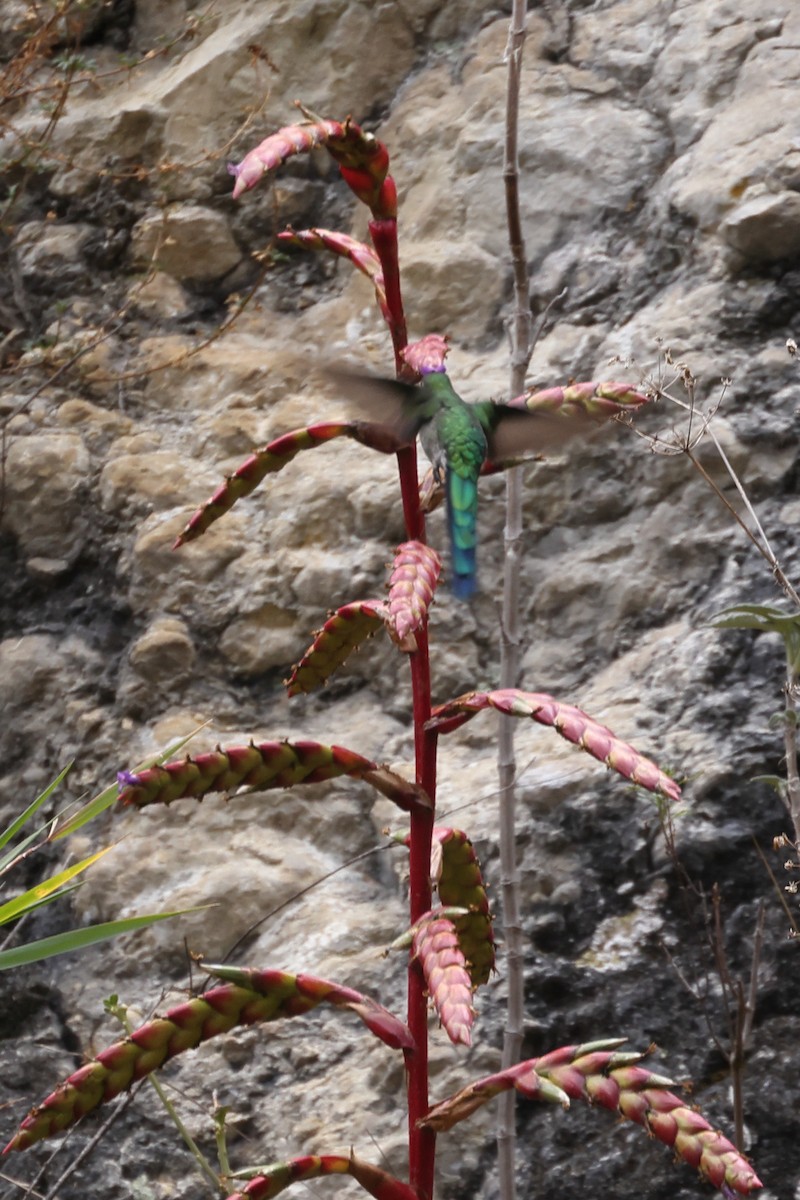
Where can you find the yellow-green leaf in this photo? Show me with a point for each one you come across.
(44, 891)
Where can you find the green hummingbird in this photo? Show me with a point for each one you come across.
(458, 438)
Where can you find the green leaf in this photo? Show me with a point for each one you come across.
(78, 939)
(44, 891)
(773, 781)
(765, 619)
(86, 813)
(15, 826)
(762, 617)
(752, 616)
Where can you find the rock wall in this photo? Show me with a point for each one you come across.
(660, 189)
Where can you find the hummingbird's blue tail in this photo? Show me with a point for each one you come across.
(462, 523)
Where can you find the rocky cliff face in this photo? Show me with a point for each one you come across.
(661, 198)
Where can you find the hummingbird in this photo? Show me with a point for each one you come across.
(458, 438)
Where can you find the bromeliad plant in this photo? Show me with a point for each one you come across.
(452, 949)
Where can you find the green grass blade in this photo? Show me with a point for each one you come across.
(86, 813)
(16, 825)
(44, 891)
(109, 795)
(78, 939)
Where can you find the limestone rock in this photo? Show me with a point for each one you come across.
(748, 140)
(156, 19)
(262, 640)
(45, 476)
(29, 665)
(701, 53)
(119, 135)
(160, 295)
(570, 128)
(636, 48)
(19, 23)
(165, 650)
(47, 248)
(97, 426)
(188, 242)
(766, 227)
(42, 673)
(451, 286)
(176, 111)
(152, 481)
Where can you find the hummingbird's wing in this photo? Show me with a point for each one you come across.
(513, 431)
(403, 407)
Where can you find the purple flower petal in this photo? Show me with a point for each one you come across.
(128, 779)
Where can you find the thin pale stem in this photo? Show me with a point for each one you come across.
(204, 1166)
(759, 537)
(790, 752)
(762, 544)
(745, 498)
(737, 1068)
(779, 892)
(745, 1014)
(752, 992)
(764, 551)
(740, 1005)
(511, 634)
(221, 1139)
